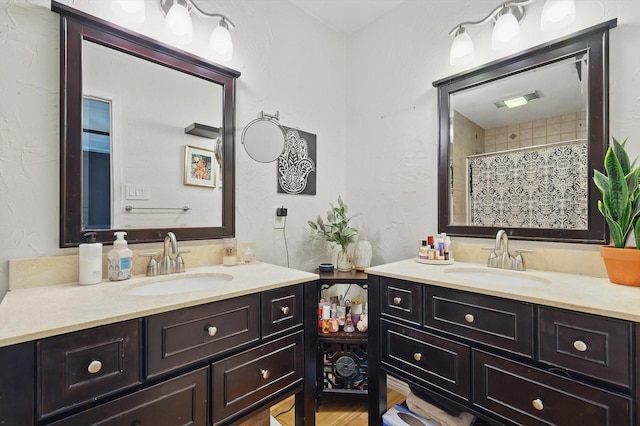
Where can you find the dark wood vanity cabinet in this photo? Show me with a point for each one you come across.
(506, 361)
(208, 364)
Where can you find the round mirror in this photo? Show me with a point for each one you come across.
(263, 139)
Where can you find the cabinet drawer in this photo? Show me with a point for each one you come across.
(79, 367)
(440, 362)
(281, 309)
(504, 324)
(529, 396)
(594, 346)
(401, 300)
(181, 337)
(180, 401)
(248, 378)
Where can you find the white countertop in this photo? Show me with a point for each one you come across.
(35, 313)
(569, 291)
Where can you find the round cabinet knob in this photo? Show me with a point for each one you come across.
(136, 423)
(264, 373)
(94, 367)
(285, 310)
(397, 300)
(469, 318)
(580, 346)
(417, 356)
(537, 404)
(212, 330)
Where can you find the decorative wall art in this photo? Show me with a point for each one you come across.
(219, 157)
(199, 167)
(540, 188)
(297, 164)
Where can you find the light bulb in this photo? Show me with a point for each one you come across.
(220, 42)
(506, 32)
(557, 14)
(462, 50)
(129, 10)
(178, 23)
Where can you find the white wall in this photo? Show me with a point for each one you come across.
(392, 128)
(289, 62)
(369, 99)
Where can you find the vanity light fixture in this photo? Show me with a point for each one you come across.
(178, 24)
(506, 17)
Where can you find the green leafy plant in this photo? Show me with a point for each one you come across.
(335, 228)
(620, 204)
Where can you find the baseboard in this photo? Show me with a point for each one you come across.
(398, 385)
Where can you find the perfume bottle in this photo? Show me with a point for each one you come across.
(348, 325)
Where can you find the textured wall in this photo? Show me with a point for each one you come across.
(392, 128)
(289, 62)
(368, 98)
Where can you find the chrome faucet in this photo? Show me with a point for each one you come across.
(504, 260)
(167, 265)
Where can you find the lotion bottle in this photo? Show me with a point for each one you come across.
(90, 260)
(119, 259)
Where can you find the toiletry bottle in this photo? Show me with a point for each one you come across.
(431, 250)
(119, 259)
(440, 253)
(423, 253)
(348, 325)
(90, 260)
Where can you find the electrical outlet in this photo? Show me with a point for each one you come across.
(278, 222)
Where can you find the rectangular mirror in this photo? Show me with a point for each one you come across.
(147, 137)
(519, 139)
(140, 162)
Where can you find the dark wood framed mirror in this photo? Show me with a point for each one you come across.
(527, 170)
(144, 186)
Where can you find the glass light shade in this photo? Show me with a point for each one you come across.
(220, 43)
(129, 10)
(178, 24)
(462, 50)
(506, 32)
(557, 14)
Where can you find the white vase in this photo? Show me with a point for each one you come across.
(343, 261)
(362, 255)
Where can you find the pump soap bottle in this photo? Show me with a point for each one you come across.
(120, 258)
(90, 260)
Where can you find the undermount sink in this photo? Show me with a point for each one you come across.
(176, 285)
(496, 276)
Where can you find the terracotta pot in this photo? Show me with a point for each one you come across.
(623, 265)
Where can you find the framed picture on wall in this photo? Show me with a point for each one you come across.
(199, 167)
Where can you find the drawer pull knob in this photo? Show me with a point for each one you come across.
(537, 404)
(469, 318)
(580, 346)
(136, 423)
(417, 356)
(94, 367)
(285, 310)
(397, 300)
(264, 373)
(212, 330)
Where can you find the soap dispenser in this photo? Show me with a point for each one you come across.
(90, 259)
(119, 259)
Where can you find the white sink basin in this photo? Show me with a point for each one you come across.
(496, 276)
(175, 284)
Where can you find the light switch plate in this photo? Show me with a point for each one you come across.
(137, 191)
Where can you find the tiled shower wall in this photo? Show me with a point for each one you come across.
(539, 132)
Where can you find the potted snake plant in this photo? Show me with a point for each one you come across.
(620, 206)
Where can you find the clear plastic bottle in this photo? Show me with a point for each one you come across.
(348, 325)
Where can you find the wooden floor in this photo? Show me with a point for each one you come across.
(334, 412)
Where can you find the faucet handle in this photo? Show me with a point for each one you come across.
(518, 261)
(152, 267)
(179, 262)
(492, 261)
